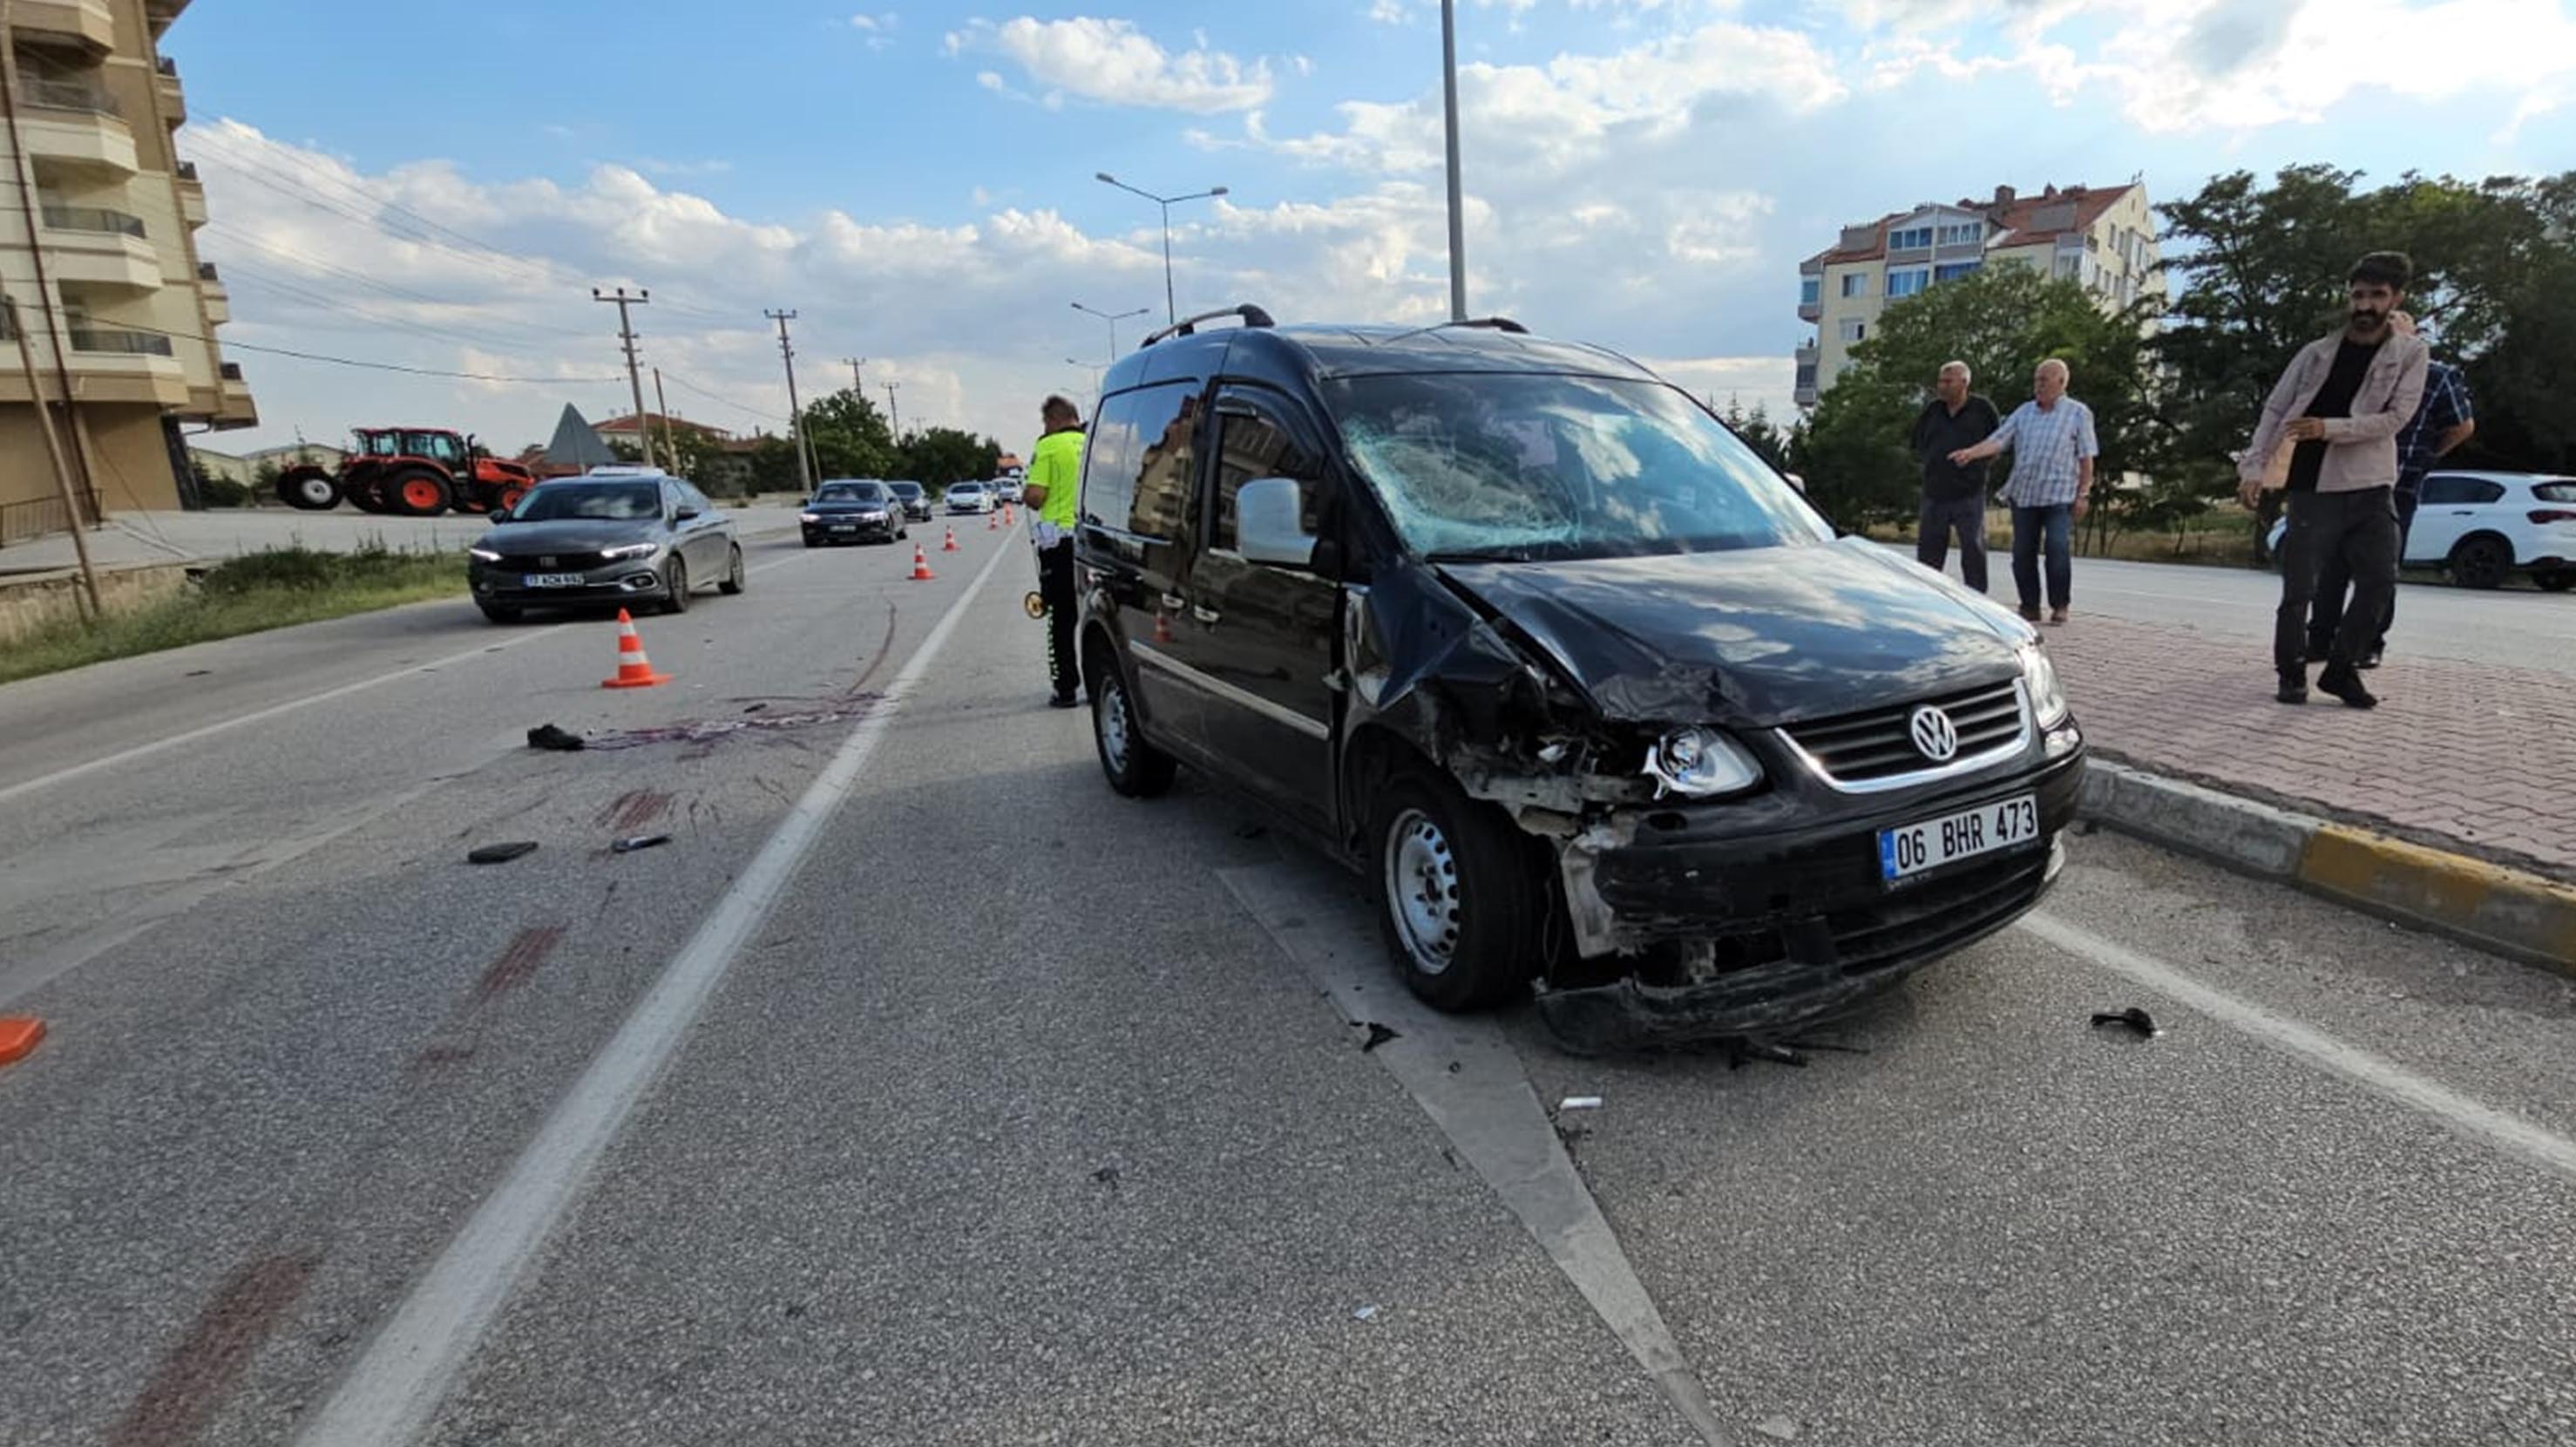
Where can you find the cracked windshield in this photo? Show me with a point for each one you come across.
(1631, 722)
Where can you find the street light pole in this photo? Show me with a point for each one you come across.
(1113, 323)
(1457, 215)
(1171, 310)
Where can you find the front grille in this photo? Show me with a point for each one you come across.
(555, 562)
(1946, 910)
(1860, 747)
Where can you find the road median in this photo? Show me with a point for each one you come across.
(2480, 902)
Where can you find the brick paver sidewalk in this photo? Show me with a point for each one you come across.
(2457, 755)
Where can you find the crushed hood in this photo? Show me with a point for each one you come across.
(1756, 636)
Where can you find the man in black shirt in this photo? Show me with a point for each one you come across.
(1954, 495)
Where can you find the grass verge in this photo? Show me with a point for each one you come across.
(274, 588)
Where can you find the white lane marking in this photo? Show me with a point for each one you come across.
(2504, 1131)
(206, 731)
(1465, 1075)
(390, 1394)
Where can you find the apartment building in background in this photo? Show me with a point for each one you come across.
(102, 262)
(2101, 237)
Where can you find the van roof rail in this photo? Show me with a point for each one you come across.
(1500, 324)
(1251, 315)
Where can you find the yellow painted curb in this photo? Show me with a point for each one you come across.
(2519, 913)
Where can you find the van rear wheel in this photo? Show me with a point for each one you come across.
(1455, 894)
(1135, 768)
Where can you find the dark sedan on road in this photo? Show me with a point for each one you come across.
(628, 536)
(853, 511)
(915, 499)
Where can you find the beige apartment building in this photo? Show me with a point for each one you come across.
(101, 259)
(2102, 237)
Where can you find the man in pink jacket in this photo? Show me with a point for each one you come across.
(2340, 407)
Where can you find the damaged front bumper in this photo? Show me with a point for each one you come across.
(1713, 929)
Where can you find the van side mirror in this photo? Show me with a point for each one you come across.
(1269, 523)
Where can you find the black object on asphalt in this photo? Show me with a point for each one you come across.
(755, 708)
(1378, 1035)
(2132, 1018)
(1107, 1176)
(500, 853)
(633, 842)
(547, 736)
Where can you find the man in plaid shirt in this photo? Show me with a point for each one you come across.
(2053, 447)
(2441, 424)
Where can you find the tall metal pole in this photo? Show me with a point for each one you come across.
(1171, 311)
(1457, 212)
(54, 450)
(857, 384)
(662, 404)
(634, 375)
(894, 413)
(795, 410)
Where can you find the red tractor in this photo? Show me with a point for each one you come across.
(414, 471)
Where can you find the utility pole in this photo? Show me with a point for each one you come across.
(54, 450)
(795, 410)
(662, 404)
(894, 412)
(634, 377)
(1457, 214)
(857, 384)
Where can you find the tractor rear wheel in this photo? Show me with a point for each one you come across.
(366, 493)
(418, 492)
(308, 488)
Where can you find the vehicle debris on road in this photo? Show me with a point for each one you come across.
(633, 842)
(1579, 1102)
(500, 853)
(2134, 1019)
(1378, 1035)
(1366, 1313)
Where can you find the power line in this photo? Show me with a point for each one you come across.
(328, 302)
(716, 397)
(230, 235)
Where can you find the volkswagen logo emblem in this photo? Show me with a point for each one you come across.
(1934, 734)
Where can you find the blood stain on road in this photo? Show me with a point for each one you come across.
(518, 963)
(196, 1373)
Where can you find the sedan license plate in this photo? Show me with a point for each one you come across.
(555, 580)
(845, 527)
(1913, 848)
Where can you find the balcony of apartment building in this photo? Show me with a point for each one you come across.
(159, 13)
(69, 122)
(237, 409)
(1811, 295)
(1805, 393)
(88, 25)
(218, 297)
(173, 96)
(98, 246)
(192, 195)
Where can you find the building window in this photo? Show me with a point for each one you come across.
(1853, 330)
(1908, 282)
(1963, 233)
(2070, 264)
(1856, 283)
(1810, 290)
(1913, 238)
(1806, 376)
(1953, 270)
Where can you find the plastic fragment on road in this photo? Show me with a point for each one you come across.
(18, 1037)
(1377, 1035)
(1366, 1313)
(1778, 1429)
(1579, 1102)
(500, 853)
(547, 736)
(2132, 1019)
(633, 842)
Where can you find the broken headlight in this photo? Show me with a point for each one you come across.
(2047, 695)
(1701, 763)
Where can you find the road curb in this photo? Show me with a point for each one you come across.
(2488, 905)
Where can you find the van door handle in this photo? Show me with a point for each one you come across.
(1204, 615)
(1174, 602)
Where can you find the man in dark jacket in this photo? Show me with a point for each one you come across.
(1954, 494)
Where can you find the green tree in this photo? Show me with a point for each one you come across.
(938, 456)
(1768, 439)
(850, 436)
(773, 465)
(2002, 321)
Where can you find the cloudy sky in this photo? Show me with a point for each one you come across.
(438, 186)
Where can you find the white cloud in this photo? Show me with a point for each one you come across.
(1112, 62)
(657, 166)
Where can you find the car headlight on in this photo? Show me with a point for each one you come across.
(872, 517)
(2047, 695)
(483, 555)
(809, 517)
(1701, 763)
(630, 550)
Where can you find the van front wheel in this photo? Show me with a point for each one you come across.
(1454, 893)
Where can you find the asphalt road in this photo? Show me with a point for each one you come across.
(2512, 628)
(920, 1090)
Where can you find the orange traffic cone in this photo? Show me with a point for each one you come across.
(1006, 515)
(18, 1037)
(950, 546)
(633, 669)
(992, 521)
(921, 565)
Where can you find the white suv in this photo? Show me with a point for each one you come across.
(2486, 526)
